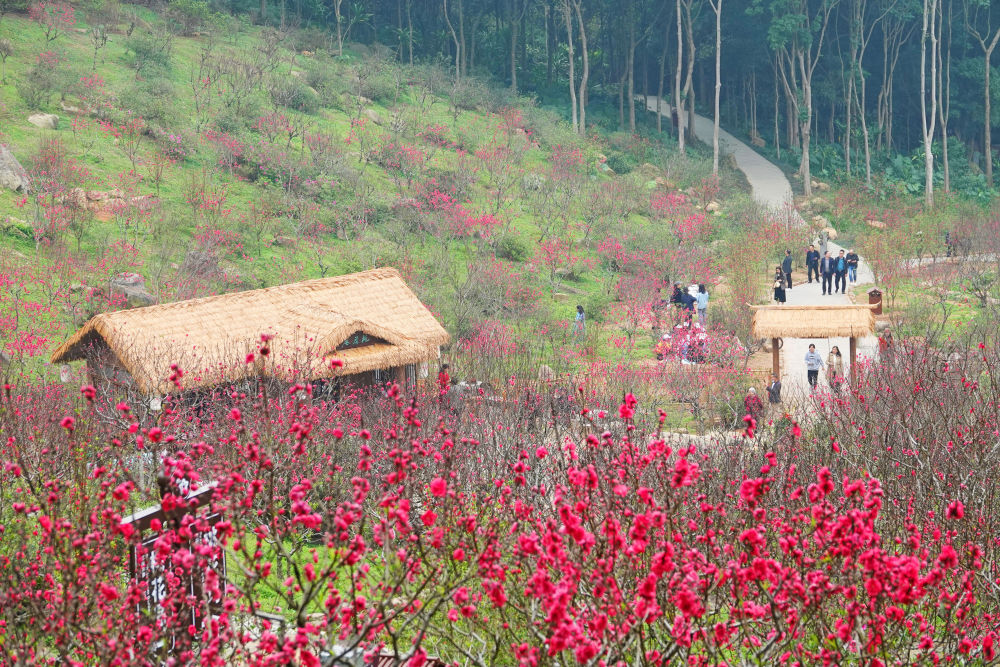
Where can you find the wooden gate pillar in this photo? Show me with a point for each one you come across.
(854, 356)
(776, 358)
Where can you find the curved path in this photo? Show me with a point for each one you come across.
(771, 187)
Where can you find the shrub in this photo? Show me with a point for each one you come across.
(190, 15)
(152, 99)
(621, 163)
(512, 247)
(291, 93)
(149, 50)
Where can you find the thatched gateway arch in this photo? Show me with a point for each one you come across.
(840, 321)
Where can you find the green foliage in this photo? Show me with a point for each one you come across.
(149, 51)
(292, 93)
(152, 99)
(621, 163)
(511, 247)
(190, 15)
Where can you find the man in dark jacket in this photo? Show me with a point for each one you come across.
(688, 302)
(840, 273)
(786, 268)
(852, 266)
(774, 390)
(826, 272)
(812, 263)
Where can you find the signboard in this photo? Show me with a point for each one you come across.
(360, 339)
(148, 564)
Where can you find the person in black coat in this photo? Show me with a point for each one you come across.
(826, 271)
(786, 268)
(812, 263)
(779, 285)
(774, 390)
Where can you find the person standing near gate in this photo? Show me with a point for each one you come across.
(774, 390)
(786, 268)
(812, 263)
(814, 364)
(826, 272)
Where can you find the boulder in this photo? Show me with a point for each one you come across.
(823, 187)
(877, 224)
(758, 141)
(373, 116)
(133, 286)
(12, 174)
(713, 207)
(819, 205)
(46, 121)
(283, 241)
(560, 296)
(820, 221)
(200, 263)
(546, 374)
(831, 233)
(296, 73)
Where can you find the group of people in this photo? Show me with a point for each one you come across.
(834, 367)
(834, 273)
(686, 302)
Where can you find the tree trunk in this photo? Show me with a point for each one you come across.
(928, 120)
(454, 39)
(409, 27)
(463, 52)
(550, 40)
(659, 90)
(572, 74)
(340, 26)
(689, 78)
(944, 93)
(717, 8)
(631, 75)
(585, 75)
(677, 82)
(515, 26)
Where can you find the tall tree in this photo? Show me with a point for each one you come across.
(567, 11)
(796, 34)
(944, 86)
(976, 12)
(864, 18)
(717, 8)
(928, 119)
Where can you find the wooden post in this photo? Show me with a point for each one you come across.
(775, 358)
(854, 355)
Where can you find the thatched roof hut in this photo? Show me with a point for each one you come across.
(369, 321)
(847, 321)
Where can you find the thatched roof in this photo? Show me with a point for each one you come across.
(812, 321)
(209, 338)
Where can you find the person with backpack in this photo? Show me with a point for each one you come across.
(840, 273)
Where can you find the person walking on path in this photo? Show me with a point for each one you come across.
(835, 369)
(779, 285)
(812, 263)
(579, 324)
(774, 391)
(753, 405)
(826, 272)
(786, 268)
(814, 364)
(852, 266)
(702, 299)
(840, 273)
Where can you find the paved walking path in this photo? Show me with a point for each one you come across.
(770, 187)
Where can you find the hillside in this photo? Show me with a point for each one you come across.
(205, 154)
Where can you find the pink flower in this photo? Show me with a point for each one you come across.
(439, 487)
(68, 423)
(956, 510)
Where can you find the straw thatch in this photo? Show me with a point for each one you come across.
(210, 338)
(812, 321)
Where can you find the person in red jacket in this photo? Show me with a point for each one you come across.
(754, 406)
(444, 383)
